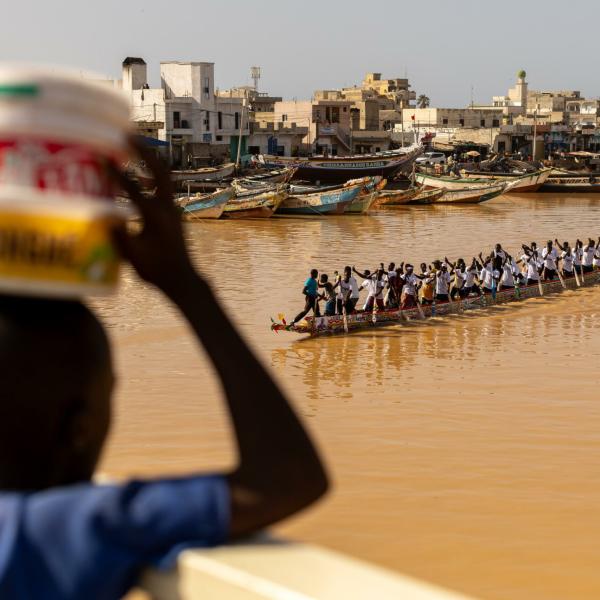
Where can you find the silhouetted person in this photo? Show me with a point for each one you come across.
(61, 536)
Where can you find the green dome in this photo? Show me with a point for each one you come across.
(521, 74)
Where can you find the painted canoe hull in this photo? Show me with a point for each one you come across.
(340, 170)
(361, 204)
(426, 197)
(261, 206)
(362, 320)
(474, 196)
(395, 198)
(205, 174)
(204, 206)
(431, 182)
(525, 183)
(565, 184)
(323, 203)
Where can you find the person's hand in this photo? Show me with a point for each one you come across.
(158, 251)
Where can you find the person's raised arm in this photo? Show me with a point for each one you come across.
(363, 275)
(279, 471)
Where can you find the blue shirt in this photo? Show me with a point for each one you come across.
(311, 286)
(92, 541)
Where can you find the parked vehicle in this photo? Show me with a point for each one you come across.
(431, 158)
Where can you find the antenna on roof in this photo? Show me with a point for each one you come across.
(255, 75)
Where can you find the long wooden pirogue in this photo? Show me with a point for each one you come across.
(364, 320)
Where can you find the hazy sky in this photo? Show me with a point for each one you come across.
(445, 46)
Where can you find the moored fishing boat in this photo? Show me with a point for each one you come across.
(454, 183)
(363, 320)
(362, 203)
(204, 173)
(320, 203)
(522, 182)
(258, 206)
(274, 176)
(565, 182)
(204, 206)
(395, 197)
(339, 169)
(474, 195)
(426, 196)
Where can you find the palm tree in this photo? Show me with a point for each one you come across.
(423, 101)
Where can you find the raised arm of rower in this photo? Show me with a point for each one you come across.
(363, 275)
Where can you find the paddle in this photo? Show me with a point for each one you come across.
(562, 281)
(576, 275)
(344, 315)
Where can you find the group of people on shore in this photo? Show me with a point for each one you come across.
(404, 286)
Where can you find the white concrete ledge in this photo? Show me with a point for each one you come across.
(276, 570)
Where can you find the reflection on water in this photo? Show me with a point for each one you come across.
(464, 449)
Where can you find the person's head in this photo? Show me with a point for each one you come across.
(57, 380)
(566, 246)
(437, 264)
(549, 244)
(409, 269)
(347, 271)
(444, 267)
(314, 274)
(423, 267)
(533, 245)
(498, 248)
(380, 273)
(391, 266)
(324, 278)
(367, 272)
(591, 243)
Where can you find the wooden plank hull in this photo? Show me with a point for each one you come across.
(457, 183)
(204, 206)
(524, 183)
(567, 184)
(323, 203)
(426, 196)
(395, 197)
(365, 320)
(205, 174)
(261, 206)
(340, 170)
(470, 196)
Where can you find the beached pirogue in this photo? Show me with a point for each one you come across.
(394, 316)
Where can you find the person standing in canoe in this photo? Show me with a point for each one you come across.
(489, 276)
(374, 284)
(410, 287)
(329, 296)
(587, 259)
(550, 256)
(568, 257)
(311, 295)
(442, 284)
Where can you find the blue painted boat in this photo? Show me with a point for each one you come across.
(204, 206)
(328, 202)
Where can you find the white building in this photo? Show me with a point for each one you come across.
(184, 111)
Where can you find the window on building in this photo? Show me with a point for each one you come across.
(482, 123)
(461, 122)
(254, 150)
(377, 149)
(444, 121)
(220, 119)
(345, 109)
(495, 123)
(176, 119)
(236, 118)
(280, 150)
(219, 138)
(284, 118)
(207, 87)
(335, 114)
(334, 150)
(207, 121)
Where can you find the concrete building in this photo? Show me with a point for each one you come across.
(327, 119)
(185, 112)
(397, 90)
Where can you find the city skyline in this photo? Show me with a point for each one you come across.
(452, 52)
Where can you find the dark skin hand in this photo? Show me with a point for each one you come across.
(279, 471)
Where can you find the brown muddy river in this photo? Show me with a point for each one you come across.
(465, 451)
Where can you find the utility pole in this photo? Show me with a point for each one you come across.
(535, 131)
(239, 148)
